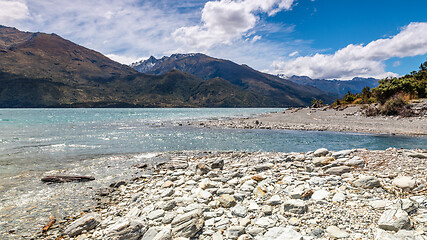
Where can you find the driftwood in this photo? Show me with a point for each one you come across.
(62, 179)
(52, 220)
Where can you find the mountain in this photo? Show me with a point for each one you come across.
(282, 92)
(340, 87)
(45, 70)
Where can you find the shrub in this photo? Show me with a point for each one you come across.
(370, 111)
(316, 103)
(396, 106)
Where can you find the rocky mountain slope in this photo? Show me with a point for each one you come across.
(283, 92)
(45, 70)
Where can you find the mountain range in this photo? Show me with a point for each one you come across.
(340, 87)
(46, 70)
(242, 75)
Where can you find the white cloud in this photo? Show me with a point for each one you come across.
(396, 63)
(225, 21)
(359, 60)
(11, 11)
(125, 59)
(126, 28)
(293, 54)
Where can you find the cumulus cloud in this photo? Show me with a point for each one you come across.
(360, 60)
(125, 28)
(11, 11)
(224, 21)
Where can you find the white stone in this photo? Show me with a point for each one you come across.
(335, 232)
(338, 197)
(274, 200)
(404, 182)
(394, 220)
(265, 222)
(279, 233)
(321, 152)
(320, 195)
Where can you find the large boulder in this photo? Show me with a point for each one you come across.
(188, 224)
(338, 170)
(394, 220)
(367, 182)
(295, 206)
(125, 229)
(321, 152)
(87, 222)
(404, 182)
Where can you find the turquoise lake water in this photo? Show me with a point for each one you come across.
(81, 141)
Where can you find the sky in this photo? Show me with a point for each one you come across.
(327, 39)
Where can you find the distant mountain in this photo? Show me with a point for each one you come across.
(282, 92)
(45, 70)
(340, 87)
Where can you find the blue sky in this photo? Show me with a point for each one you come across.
(332, 39)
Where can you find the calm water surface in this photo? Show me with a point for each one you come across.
(35, 142)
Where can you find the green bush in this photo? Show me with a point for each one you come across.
(395, 106)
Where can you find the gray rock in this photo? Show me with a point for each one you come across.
(188, 224)
(322, 161)
(239, 211)
(356, 161)
(235, 231)
(295, 206)
(156, 214)
(341, 154)
(400, 235)
(265, 222)
(263, 167)
(321, 152)
(335, 232)
(125, 229)
(169, 205)
(404, 182)
(218, 164)
(338, 170)
(367, 182)
(254, 231)
(274, 200)
(409, 206)
(151, 233)
(168, 218)
(85, 223)
(279, 233)
(164, 234)
(267, 210)
(415, 154)
(338, 197)
(202, 169)
(317, 232)
(380, 204)
(320, 195)
(394, 220)
(227, 201)
(167, 193)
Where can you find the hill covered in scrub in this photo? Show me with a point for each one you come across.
(392, 96)
(45, 70)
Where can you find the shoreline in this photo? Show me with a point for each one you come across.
(321, 194)
(348, 120)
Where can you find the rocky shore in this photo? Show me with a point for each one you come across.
(349, 119)
(350, 194)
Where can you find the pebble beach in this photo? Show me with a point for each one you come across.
(320, 194)
(349, 119)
